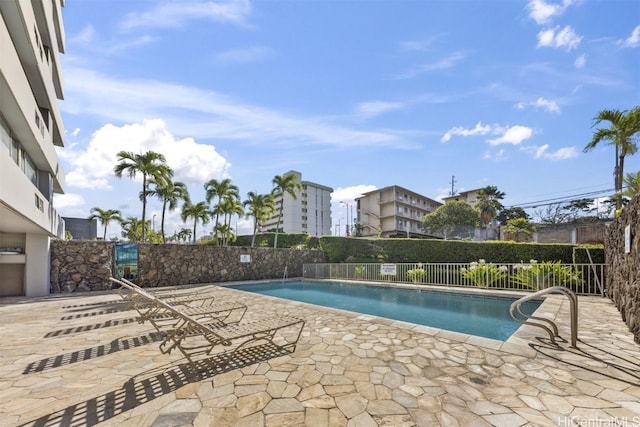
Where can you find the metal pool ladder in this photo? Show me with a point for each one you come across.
(541, 322)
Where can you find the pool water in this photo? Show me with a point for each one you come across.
(482, 315)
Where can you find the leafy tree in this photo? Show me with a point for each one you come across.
(105, 217)
(578, 207)
(221, 190)
(623, 134)
(261, 208)
(199, 212)
(511, 213)
(488, 204)
(553, 214)
(449, 217)
(285, 184)
(170, 193)
(151, 165)
(632, 182)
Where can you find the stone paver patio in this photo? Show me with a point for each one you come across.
(82, 360)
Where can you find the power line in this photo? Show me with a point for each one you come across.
(556, 200)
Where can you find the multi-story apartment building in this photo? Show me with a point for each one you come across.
(470, 197)
(393, 212)
(309, 212)
(31, 39)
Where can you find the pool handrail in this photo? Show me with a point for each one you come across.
(520, 317)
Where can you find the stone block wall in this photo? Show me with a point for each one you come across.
(624, 268)
(168, 265)
(81, 265)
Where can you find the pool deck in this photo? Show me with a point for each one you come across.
(82, 360)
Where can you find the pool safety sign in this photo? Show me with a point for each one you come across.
(388, 269)
(627, 239)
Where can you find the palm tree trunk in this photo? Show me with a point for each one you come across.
(275, 240)
(164, 207)
(144, 204)
(194, 230)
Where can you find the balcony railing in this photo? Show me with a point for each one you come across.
(586, 279)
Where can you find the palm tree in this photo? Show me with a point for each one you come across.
(220, 189)
(625, 126)
(488, 204)
(132, 229)
(229, 206)
(199, 212)
(632, 182)
(170, 193)
(151, 165)
(183, 235)
(105, 217)
(285, 184)
(260, 207)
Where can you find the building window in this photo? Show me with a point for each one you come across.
(5, 137)
(29, 168)
(39, 203)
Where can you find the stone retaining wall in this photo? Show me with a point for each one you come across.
(87, 265)
(80, 265)
(624, 268)
(163, 265)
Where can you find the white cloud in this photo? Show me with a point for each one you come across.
(249, 54)
(542, 152)
(559, 38)
(547, 105)
(497, 156)
(206, 114)
(176, 14)
(128, 44)
(191, 162)
(542, 104)
(633, 40)
(580, 61)
(375, 108)
(349, 194)
(542, 11)
(513, 135)
(442, 64)
(67, 201)
(479, 129)
(418, 45)
(86, 36)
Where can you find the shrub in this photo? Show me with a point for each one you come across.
(484, 274)
(416, 275)
(540, 275)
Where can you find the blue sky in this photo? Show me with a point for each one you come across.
(355, 95)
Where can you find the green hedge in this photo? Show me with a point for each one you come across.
(285, 240)
(351, 249)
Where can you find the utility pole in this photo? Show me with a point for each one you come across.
(453, 182)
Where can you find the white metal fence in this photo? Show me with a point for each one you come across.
(586, 279)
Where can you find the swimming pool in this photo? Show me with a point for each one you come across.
(482, 315)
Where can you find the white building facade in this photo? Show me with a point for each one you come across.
(309, 212)
(31, 39)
